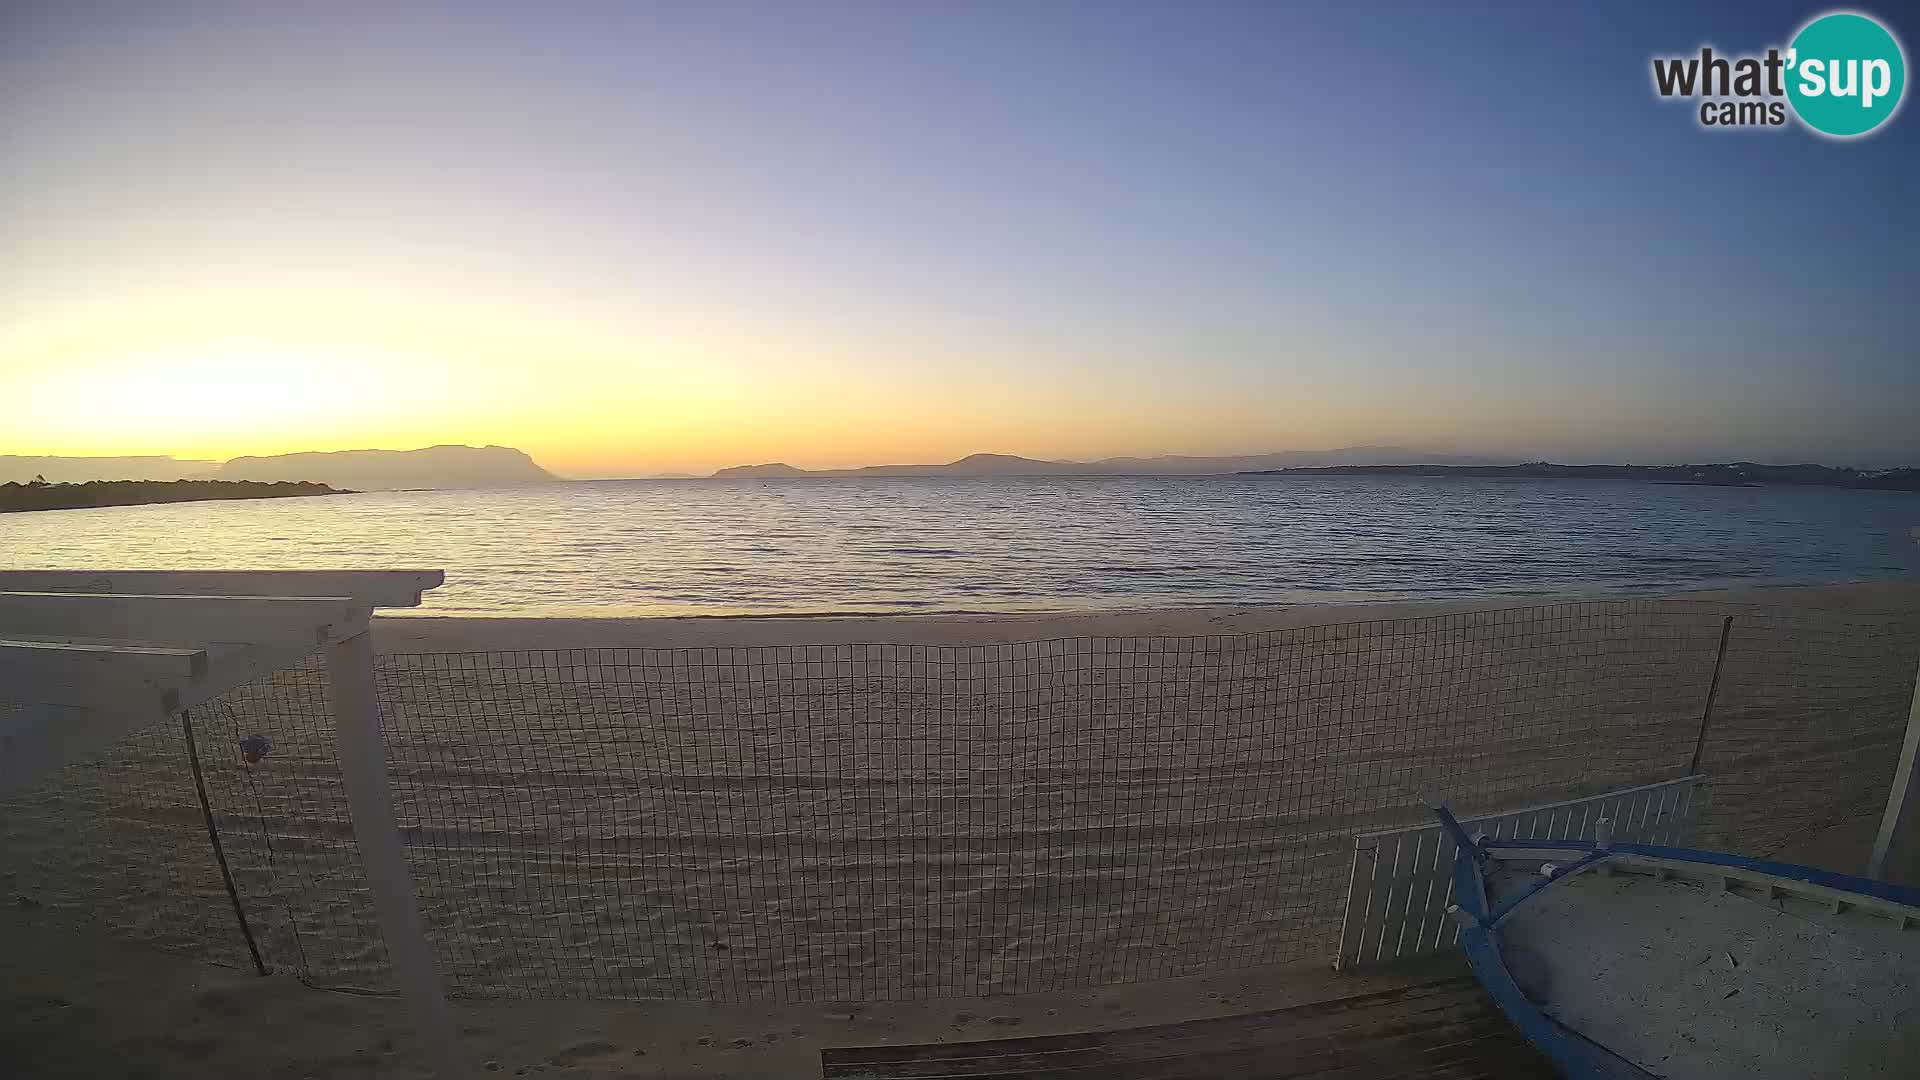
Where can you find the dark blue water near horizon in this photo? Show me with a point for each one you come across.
(921, 544)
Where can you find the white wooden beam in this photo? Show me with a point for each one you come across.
(181, 620)
(376, 588)
(198, 672)
(161, 692)
(82, 667)
(22, 659)
(48, 720)
(1898, 814)
(1895, 818)
(363, 769)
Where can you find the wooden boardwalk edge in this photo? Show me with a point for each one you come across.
(1448, 1027)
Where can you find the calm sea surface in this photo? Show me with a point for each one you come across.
(654, 547)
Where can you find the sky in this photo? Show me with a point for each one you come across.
(647, 237)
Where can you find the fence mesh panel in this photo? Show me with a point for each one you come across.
(889, 821)
(1807, 725)
(917, 821)
(287, 831)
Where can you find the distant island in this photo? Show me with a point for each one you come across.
(1169, 465)
(429, 467)
(1723, 474)
(40, 495)
(361, 470)
(1370, 461)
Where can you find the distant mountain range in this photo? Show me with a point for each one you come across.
(1719, 474)
(1170, 465)
(21, 468)
(361, 470)
(504, 466)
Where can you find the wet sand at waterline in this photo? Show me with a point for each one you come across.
(1137, 823)
(423, 632)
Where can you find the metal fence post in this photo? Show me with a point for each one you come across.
(1713, 691)
(1900, 799)
(363, 767)
(213, 838)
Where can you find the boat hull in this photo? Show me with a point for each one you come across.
(1632, 960)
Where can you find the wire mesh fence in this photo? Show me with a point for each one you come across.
(919, 821)
(1807, 724)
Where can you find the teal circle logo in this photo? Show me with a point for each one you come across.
(1845, 74)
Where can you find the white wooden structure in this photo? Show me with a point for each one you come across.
(1899, 812)
(89, 656)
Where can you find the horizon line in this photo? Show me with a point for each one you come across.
(1413, 458)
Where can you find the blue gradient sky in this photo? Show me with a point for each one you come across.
(638, 237)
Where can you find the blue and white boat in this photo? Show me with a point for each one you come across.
(1633, 960)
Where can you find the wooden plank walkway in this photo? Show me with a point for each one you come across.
(1448, 1028)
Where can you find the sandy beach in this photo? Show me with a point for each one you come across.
(73, 1004)
(1014, 820)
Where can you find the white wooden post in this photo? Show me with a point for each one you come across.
(1900, 799)
(363, 766)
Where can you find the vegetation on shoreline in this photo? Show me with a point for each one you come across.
(40, 495)
(1726, 474)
